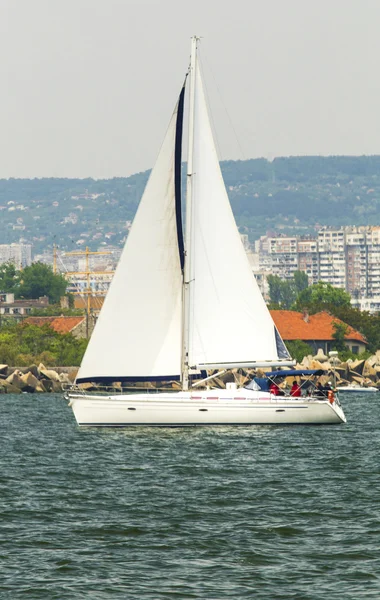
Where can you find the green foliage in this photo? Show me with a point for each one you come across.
(9, 278)
(347, 354)
(32, 282)
(39, 280)
(283, 294)
(339, 335)
(363, 321)
(301, 281)
(275, 289)
(320, 296)
(323, 296)
(289, 195)
(298, 349)
(32, 344)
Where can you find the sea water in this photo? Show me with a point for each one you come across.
(213, 513)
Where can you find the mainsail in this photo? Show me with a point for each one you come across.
(138, 333)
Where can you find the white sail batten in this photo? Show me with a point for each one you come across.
(138, 333)
(229, 321)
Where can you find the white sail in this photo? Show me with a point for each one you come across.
(229, 321)
(138, 333)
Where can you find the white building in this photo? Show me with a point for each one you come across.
(346, 257)
(18, 254)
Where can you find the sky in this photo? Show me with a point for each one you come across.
(88, 86)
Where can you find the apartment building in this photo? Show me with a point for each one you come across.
(283, 256)
(283, 253)
(18, 254)
(308, 258)
(345, 257)
(332, 259)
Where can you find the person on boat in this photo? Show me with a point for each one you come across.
(275, 390)
(319, 390)
(329, 392)
(295, 390)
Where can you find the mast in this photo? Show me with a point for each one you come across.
(189, 190)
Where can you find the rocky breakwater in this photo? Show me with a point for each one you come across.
(35, 379)
(363, 373)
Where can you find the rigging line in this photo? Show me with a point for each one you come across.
(243, 156)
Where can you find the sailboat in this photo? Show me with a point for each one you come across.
(184, 308)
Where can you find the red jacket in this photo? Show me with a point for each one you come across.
(295, 391)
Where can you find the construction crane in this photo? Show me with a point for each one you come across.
(88, 292)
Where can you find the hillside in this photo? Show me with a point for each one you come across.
(288, 195)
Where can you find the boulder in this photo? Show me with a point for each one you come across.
(315, 364)
(8, 388)
(320, 356)
(49, 374)
(369, 371)
(29, 383)
(34, 370)
(40, 388)
(357, 366)
(241, 380)
(72, 375)
(357, 379)
(47, 384)
(374, 359)
(228, 377)
(15, 379)
(306, 362)
(4, 370)
(57, 387)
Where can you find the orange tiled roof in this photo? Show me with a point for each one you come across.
(59, 324)
(294, 326)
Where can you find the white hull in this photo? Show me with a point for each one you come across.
(214, 407)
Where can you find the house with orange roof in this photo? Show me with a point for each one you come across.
(316, 330)
(74, 325)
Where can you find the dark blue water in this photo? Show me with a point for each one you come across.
(256, 512)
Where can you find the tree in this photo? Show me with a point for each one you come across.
(23, 344)
(320, 296)
(339, 335)
(275, 287)
(39, 280)
(282, 293)
(301, 281)
(363, 321)
(9, 278)
(298, 349)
